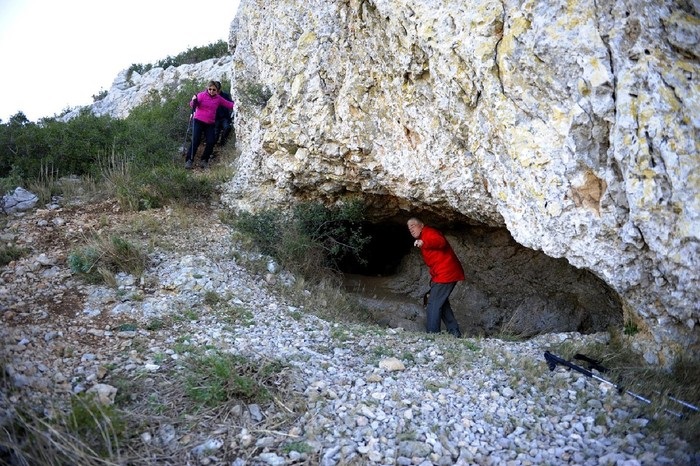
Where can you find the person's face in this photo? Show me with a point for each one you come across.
(212, 90)
(415, 229)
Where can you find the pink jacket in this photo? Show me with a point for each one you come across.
(207, 105)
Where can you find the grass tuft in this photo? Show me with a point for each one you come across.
(9, 253)
(218, 377)
(88, 434)
(97, 261)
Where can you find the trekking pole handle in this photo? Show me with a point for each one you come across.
(553, 360)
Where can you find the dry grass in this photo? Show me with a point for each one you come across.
(87, 434)
(104, 256)
(160, 415)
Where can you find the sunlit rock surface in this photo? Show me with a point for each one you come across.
(574, 125)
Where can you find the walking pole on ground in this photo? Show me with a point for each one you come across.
(553, 360)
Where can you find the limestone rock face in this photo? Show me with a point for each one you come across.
(574, 125)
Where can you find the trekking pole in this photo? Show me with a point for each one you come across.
(192, 138)
(191, 123)
(681, 402)
(187, 133)
(553, 360)
(595, 364)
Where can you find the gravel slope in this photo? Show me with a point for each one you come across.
(343, 394)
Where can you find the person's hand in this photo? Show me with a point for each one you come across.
(418, 243)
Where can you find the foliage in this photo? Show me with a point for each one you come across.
(314, 238)
(190, 56)
(9, 183)
(89, 434)
(68, 147)
(253, 93)
(138, 157)
(100, 95)
(336, 230)
(135, 155)
(107, 255)
(9, 253)
(95, 423)
(220, 377)
(631, 328)
(298, 446)
(83, 261)
(212, 298)
(264, 228)
(161, 185)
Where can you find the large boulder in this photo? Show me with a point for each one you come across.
(18, 201)
(574, 125)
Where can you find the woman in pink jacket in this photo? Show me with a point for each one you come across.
(205, 104)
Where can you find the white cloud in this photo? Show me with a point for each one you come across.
(59, 54)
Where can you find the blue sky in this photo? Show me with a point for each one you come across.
(58, 54)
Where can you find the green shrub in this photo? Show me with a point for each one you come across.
(100, 95)
(253, 93)
(9, 183)
(219, 377)
(163, 185)
(631, 328)
(151, 136)
(9, 253)
(313, 239)
(337, 229)
(190, 56)
(264, 228)
(98, 425)
(212, 298)
(108, 255)
(298, 446)
(84, 260)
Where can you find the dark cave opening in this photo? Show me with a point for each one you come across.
(389, 244)
(509, 288)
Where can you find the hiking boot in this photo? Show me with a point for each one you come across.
(188, 165)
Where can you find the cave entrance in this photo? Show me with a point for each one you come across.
(509, 290)
(390, 243)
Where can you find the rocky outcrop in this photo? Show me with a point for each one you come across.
(131, 89)
(573, 125)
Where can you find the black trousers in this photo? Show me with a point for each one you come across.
(439, 309)
(208, 131)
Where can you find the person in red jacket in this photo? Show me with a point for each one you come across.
(445, 271)
(205, 105)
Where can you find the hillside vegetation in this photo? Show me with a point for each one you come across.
(124, 188)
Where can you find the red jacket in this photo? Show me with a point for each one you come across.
(442, 262)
